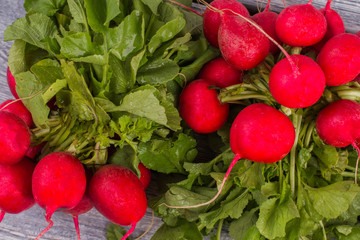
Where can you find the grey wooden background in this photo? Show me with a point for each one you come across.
(93, 226)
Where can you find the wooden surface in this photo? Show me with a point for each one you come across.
(93, 226)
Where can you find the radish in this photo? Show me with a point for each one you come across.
(12, 83)
(15, 138)
(83, 206)
(297, 89)
(212, 20)
(145, 176)
(242, 45)
(338, 125)
(340, 59)
(200, 107)
(15, 184)
(267, 20)
(358, 33)
(118, 194)
(19, 109)
(259, 133)
(34, 150)
(300, 25)
(220, 74)
(335, 25)
(58, 181)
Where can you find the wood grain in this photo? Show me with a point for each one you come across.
(93, 226)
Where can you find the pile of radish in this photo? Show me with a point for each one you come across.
(281, 94)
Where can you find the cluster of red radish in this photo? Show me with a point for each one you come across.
(260, 132)
(59, 181)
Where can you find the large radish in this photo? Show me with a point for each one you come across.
(340, 59)
(15, 184)
(338, 125)
(58, 181)
(212, 19)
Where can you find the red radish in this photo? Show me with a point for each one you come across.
(34, 150)
(83, 206)
(338, 124)
(145, 175)
(119, 195)
(340, 59)
(15, 138)
(19, 109)
(358, 33)
(335, 25)
(297, 90)
(220, 74)
(259, 133)
(212, 19)
(242, 45)
(267, 19)
(11, 83)
(58, 181)
(300, 25)
(15, 184)
(200, 107)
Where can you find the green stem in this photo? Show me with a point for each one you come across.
(297, 124)
(323, 230)
(281, 174)
(218, 234)
(243, 97)
(106, 66)
(349, 174)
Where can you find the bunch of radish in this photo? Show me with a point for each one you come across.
(261, 132)
(59, 181)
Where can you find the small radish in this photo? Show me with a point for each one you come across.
(242, 45)
(15, 184)
(15, 138)
(297, 89)
(58, 181)
(118, 194)
(259, 133)
(83, 206)
(211, 19)
(11, 83)
(338, 124)
(300, 25)
(220, 74)
(335, 24)
(19, 109)
(358, 33)
(340, 59)
(200, 107)
(145, 177)
(267, 20)
(34, 150)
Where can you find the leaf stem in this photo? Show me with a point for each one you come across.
(218, 233)
(297, 124)
(323, 230)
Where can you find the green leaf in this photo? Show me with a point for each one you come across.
(183, 230)
(28, 86)
(16, 59)
(35, 29)
(327, 154)
(252, 177)
(54, 89)
(165, 33)
(167, 156)
(47, 7)
(240, 227)
(115, 232)
(275, 213)
(152, 4)
(179, 196)
(100, 13)
(158, 71)
(47, 71)
(128, 37)
(354, 235)
(232, 207)
(332, 200)
(77, 10)
(77, 45)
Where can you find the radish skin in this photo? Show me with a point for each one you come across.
(15, 184)
(65, 176)
(11, 83)
(212, 19)
(19, 109)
